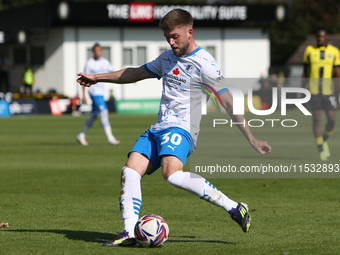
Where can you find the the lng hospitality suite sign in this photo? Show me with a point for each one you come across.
(51, 13)
(149, 12)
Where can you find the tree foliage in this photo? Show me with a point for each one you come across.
(304, 17)
(7, 4)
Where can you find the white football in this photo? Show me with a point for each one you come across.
(151, 231)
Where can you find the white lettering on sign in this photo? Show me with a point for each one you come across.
(205, 12)
(118, 11)
(147, 12)
(232, 13)
(2, 37)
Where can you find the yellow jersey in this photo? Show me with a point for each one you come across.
(321, 62)
(28, 76)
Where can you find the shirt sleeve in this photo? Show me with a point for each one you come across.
(306, 59)
(155, 67)
(212, 77)
(337, 58)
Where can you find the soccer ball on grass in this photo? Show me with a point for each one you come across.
(151, 231)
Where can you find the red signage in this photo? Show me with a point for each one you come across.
(55, 107)
(141, 12)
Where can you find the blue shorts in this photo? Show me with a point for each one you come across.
(173, 141)
(98, 104)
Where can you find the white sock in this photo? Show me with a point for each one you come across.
(200, 187)
(130, 199)
(104, 120)
(109, 135)
(81, 135)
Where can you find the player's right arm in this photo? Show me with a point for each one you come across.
(304, 75)
(306, 62)
(84, 96)
(126, 75)
(86, 70)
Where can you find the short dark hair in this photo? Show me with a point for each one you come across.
(322, 28)
(176, 18)
(96, 45)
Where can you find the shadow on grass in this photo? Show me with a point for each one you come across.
(267, 158)
(87, 236)
(98, 237)
(194, 240)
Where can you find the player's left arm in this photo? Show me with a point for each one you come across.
(126, 75)
(306, 65)
(337, 79)
(337, 70)
(337, 76)
(261, 146)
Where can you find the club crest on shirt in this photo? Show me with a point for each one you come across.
(330, 56)
(189, 68)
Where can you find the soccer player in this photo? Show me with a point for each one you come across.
(28, 79)
(96, 65)
(321, 61)
(168, 142)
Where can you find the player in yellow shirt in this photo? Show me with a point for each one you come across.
(321, 64)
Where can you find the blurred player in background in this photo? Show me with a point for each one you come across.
(321, 62)
(28, 79)
(96, 65)
(169, 142)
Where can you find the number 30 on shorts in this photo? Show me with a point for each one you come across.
(175, 138)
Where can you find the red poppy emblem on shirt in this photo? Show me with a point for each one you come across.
(175, 72)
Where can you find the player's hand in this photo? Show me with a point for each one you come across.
(84, 100)
(262, 147)
(86, 79)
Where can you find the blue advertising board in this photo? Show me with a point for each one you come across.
(22, 106)
(4, 109)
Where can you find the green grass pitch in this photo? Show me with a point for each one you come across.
(62, 198)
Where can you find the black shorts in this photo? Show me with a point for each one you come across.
(321, 102)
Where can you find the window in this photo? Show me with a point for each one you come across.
(20, 56)
(134, 56)
(141, 56)
(211, 50)
(105, 53)
(37, 56)
(127, 56)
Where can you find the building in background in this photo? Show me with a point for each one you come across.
(56, 38)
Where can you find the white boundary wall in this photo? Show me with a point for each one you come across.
(241, 53)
